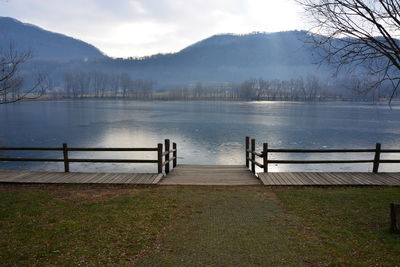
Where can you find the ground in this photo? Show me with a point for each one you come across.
(93, 225)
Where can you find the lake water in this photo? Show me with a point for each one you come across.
(206, 132)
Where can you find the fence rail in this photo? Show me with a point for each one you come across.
(251, 153)
(161, 155)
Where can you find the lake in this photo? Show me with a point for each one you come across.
(206, 132)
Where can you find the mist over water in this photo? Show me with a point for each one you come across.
(206, 132)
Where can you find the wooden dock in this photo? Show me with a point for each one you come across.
(210, 175)
(329, 178)
(207, 175)
(78, 177)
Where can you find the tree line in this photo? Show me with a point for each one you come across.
(311, 88)
(103, 85)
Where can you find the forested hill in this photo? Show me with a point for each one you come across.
(44, 44)
(231, 57)
(220, 58)
(224, 58)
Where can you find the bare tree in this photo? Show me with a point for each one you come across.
(100, 83)
(13, 87)
(144, 89)
(247, 89)
(198, 90)
(126, 84)
(114, 84)
(359, 33)
(68, 81)
(83, 80)
(311, 87)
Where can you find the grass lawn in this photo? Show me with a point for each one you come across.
(351, 224)
(196, 226)
(79, 225)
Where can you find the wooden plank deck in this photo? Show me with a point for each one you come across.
(210, 175)
(78, 177)
(329, 178)
(207, 175)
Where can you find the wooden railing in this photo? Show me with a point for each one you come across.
(166, 154)
(161, 155)
(251, 155)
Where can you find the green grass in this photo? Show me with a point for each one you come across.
(196, 226)
(351, 224)
(40, 228)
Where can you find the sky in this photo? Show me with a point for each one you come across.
(136, 28)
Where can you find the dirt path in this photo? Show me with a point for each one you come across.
(227, 227)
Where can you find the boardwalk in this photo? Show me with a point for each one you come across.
(78, 177)
(329, 178)
(210, 175)
(206, 175)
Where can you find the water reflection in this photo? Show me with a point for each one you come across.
(206, 132)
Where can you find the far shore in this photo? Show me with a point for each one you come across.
(163, 99)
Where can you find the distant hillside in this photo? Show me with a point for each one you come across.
(226, 58)
(220, 58)
(44, 44)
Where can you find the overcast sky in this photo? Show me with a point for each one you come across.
(123, 28)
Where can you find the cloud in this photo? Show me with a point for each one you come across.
(123, 28)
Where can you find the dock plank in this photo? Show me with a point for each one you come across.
(142, 179)
(133, 179)
(307, 180)
(295, 178)
(332, 179)
(389, 179)
(158, 178)
(335, 179)
(210, 175)
(395, 176)
(367, 179)
(329, 178)
(276, 179)
(77, 177)
(315, 180)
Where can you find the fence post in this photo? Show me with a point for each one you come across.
(265, 157)
(167, 156)
(159, 157)
(66, 160)
(395, 218)
(246, 152)
(175, 154)
(377, 157)
(253, 156)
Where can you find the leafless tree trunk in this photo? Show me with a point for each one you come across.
(198, 90)
(359, 33)
(126, 84)
(311, 87)
(98, 83)
(83, 83)
(114, 85)
(68, 80)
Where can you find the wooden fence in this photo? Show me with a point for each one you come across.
(163, 156)
(251, 155)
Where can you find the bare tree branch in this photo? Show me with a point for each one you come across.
(359, 36)
(12, 83)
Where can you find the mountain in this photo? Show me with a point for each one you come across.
(220, 58)
(228, 58)
(44, 44)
